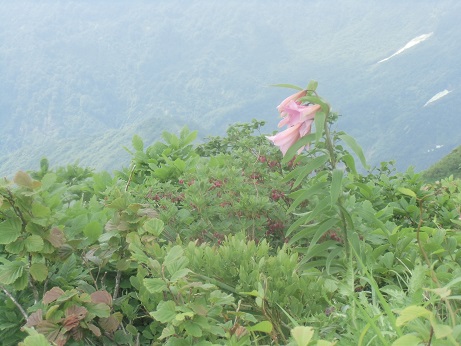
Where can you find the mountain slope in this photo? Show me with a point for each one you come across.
(80, 78)
(447, 166)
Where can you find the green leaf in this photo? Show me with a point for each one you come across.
(407, 340)
(264, 326)
(10, 230)
(336, 184)
(137, 143)
(39, 271)
(10, 272)
(40, 210)
(65, 296)
(34, 243)
(187, 136)
(300, 143)
(302, 335)
(407, 192)
(289, 86)
(15, 247)
(301, 195)
(22, 282)
(302, 172)
(441, 330)
(410, 313)
(166, 311)
(34, 338)
(193, 329)
(352, 143)
(179, 274)
(312, 86)
(153, 226)
(100, 309)
(319, 122)
(93, 230)
(155, 285)
(349, 161)
(175, 259)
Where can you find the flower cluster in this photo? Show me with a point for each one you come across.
(297, 117)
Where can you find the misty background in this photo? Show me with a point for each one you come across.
(79, 78)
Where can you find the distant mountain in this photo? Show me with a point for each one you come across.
(80, 78)
(449, 165)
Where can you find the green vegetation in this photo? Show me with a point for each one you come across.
(226, 242)
(449, 165)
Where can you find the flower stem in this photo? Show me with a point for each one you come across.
(333, 161)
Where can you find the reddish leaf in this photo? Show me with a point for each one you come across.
(35, 318)
(56, 237)
(101, 297)
(78, 311)
(111, 323)
(70, 322)
(52, 295)
(96, 331)
(23, 179)
(77, 334)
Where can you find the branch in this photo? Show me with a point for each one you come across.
(117, 284)
(23, 312)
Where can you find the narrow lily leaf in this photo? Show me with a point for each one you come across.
(305, 195)
(312, 86)
(293, 150)
(336, 184)
(289, 86)
(352, 143)
(349, 161)
(309, 168)
(319, 121)
(323, 227)
(317, 101)
(301, 172)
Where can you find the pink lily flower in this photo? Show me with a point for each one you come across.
(293, 97)
(296, 113)
(298, 118)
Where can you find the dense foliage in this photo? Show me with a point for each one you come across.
(228, 242)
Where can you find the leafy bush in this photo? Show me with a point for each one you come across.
(229, 242)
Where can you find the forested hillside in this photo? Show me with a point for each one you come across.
(449, 165)
(80, 78)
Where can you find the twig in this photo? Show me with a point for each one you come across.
(23, 312)
(130, 178)
(117, 284)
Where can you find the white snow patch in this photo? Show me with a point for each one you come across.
(438, 96)
(410, 44)
(438, 146)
